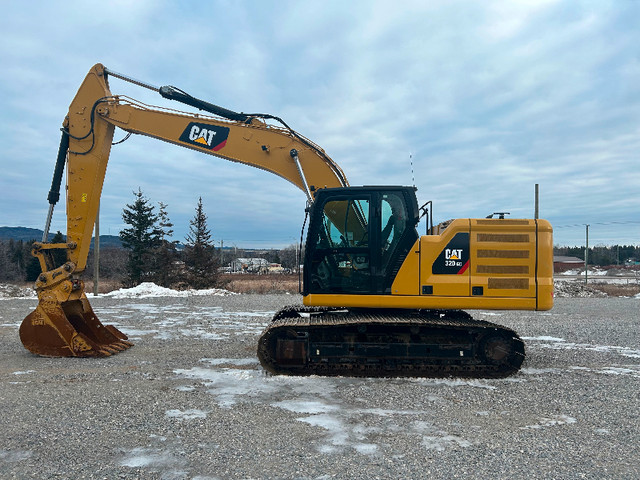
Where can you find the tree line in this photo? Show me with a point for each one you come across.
(602, 255)
(154, 257)
(149, 253)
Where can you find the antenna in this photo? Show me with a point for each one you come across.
(413, 177)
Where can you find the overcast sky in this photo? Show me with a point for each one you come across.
(488, 99)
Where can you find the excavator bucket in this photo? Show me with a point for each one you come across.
(69, 329)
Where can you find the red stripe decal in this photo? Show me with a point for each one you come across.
(218, 147)
(464, 268)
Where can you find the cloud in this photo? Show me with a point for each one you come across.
(489, 98)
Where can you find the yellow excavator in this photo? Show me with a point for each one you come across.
(378, 298)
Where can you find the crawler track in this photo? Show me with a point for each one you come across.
(388, 343)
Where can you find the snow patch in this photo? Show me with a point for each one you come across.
(344, 426)
(186, 388)
(305, 406)
(619, 371)
(539, 371)
(230, 361)
(186, 415)
(592, 271)
(201, 333)
(183, 320)
(553, 421)
(150, 289)
(336, 428)
(544, 339)
(11, 456)
(14, 291)
(135, 333)
(631, 370)
(454, 382)
(564, 288)
(555, 343)
(439, 444)
(145, 457)
(365, 448)
(438, 440)
(228, 384)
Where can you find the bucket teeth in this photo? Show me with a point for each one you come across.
(120, 346)
(69, 329)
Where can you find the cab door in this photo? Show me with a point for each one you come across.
(339, 246)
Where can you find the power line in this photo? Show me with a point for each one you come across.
(596, 223)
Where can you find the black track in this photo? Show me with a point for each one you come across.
(388, 343)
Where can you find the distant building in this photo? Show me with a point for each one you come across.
(254, 265)
(250, 265)
(562, 264)
(276, 268)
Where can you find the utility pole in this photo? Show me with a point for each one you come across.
(535, 212)
(586, 257)
(96, 253)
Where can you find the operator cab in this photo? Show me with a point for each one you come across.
(358, 238)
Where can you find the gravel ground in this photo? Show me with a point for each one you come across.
(190, 400)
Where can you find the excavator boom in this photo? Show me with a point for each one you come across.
(64, 323)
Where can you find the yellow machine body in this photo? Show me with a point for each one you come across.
(508, 265)
(468, 264)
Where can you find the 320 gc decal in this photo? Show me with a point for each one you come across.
(454, 258)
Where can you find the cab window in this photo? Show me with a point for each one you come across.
(341, 259)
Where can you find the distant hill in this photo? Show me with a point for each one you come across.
(27, 234)
(22, 233)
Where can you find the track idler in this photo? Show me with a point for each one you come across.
(69, 328)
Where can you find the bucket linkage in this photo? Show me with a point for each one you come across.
(64, 324)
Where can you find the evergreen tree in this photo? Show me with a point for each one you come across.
(199, 259)
(166, 253)
(16, 254)
(31, 264)
(141, 238)
(8, 269)
(59, 256)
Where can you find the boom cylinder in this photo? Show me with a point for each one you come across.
(173, 93)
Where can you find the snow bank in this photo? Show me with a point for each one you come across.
(575, 289)
(149, 289)
(16, 291)
(593, 271)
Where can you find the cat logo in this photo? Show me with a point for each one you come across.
(206, 136)
(453, 254)
(454, 258)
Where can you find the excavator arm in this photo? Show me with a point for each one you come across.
(95, 112)
(64, 323)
